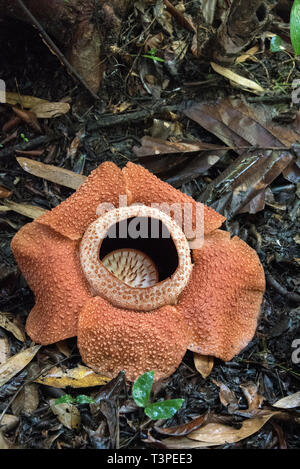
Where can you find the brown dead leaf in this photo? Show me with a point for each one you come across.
(153, 42)
(254, 399)
(67, 414)
(289, 402)
(219, 434)
(162, 129)
(184, 443)
(8, 423)
(27, 400)
(204, 364)
(50, 110)
(239, 126)
(16, 363)
(163, 17)
(227, 397)
(4, 193)
(25, 101)
(184, 429)
(242, 82)
(52, 173)
(80, 377)
(157, 146)
(249, 54)
(73, 147)
(4, 350)
(30, 211)
(4, 442)
(11, 327)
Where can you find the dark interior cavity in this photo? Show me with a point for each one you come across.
(149, 235)
(261, 13)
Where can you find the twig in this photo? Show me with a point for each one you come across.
(34, 143)
(129, 117)
(57, 51)
(282, 290)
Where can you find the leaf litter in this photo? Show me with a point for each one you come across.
(229, 154)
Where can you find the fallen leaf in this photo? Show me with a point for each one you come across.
(184, 443)
(11, 327)
(254, 399)
(8, 422)
(163, 17)
(4, 350)
(27, 400)
(249, 54)
(67, 414)
(157, 146)
(4, 193)
(242, 185)
(52, 173)
(30, 211)
(219, 434)
(3, 208)
(73, 147)
(163, 129)
(80, 377)
(208, 8)
(227, 397)
(153, 42)
(50, 110)
(288, 402)
(24, 100)
(204, 364)
(3, 442)
(184, 429)
(243, 82)
(16, 363)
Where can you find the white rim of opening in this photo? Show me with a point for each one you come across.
(103, 283)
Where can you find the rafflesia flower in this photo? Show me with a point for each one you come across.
(135, 302)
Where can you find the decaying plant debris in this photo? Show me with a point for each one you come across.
(162, 105)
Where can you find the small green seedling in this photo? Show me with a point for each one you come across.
(158, 410)
(151, 55)
(25, 139)
(276, 44)
(295, 26)
(68, 399)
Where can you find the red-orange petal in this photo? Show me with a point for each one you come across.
(144, 187)
(74, 215)
(222, 300)
(50, 264)
(112, 339)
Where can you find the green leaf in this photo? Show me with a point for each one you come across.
(142, 388)
(65, 399)
(295, 26)
(276, 44)
(153, 57)
(164, 409)
(83, 399)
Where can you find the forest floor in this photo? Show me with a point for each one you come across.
(269, 368)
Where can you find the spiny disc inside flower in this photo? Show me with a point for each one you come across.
(133, 267)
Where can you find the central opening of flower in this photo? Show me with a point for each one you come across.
(136, 257)
(139, 251)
